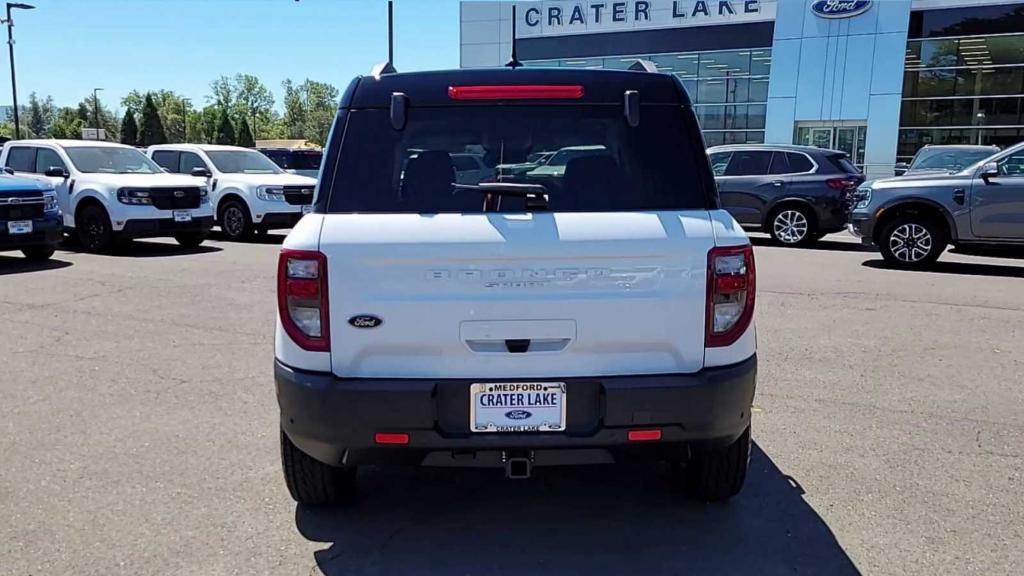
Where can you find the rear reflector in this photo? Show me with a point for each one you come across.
(520, 92)
(644, 435)
(383, 438)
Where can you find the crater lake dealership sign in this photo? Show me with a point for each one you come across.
(578, 17)
(840, 8)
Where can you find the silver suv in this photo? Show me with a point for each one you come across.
(913, 218)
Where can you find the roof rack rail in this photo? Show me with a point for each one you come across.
(388, 67)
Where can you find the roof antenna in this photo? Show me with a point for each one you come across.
(514, 61)
(388, 67)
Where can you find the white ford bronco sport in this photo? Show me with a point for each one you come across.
(249, 192)
(600, 314)
(109, 191)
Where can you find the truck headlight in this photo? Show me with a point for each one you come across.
(862, 198)
(204, 195)
(134, 196)
(270, 193)
(50, 202)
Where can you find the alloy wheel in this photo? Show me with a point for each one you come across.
(95, 229)
(234, 221)
(910, 243)
(790, 226)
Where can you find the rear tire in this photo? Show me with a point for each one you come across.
(313, 483)
(95, 233)
(792, 226)
(193, 240)
(912, 241)
(38, 253)
(718, 474)
(234, 220)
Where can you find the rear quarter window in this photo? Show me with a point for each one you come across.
(597, 161)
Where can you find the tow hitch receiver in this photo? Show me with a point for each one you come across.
(518, 465)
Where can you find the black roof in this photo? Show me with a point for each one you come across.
(431, 88)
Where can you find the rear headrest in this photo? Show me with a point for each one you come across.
(428, 176)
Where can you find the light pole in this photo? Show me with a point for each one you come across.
(10, 48)
(96, 109)
(185, 102)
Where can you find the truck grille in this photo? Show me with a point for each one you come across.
(298, 195)
(184, 198)
(21, 206)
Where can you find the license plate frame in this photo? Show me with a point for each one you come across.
(182, 216)
(517, 407)
(15, 227)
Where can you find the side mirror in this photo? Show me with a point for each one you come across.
(56, 172)
(901, 168)
(200, 172)
(989, 170)
(9, 170)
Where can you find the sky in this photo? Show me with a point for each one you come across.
(65, 48)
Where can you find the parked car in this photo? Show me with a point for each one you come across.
(472, 169)
(795, 193)
(421, 321)
(913, 218)
(250, 193)
(515, 172)
(109, 192)
(301, 161)
(30, 220)
(944, 158)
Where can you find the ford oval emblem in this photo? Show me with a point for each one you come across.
(365, 321)
(179, 193)
(840, 8)
(518, 414)
(14, 201)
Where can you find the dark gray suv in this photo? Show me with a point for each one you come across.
(913, 218)
(795, 193)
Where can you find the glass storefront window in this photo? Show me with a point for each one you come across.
(727, 80)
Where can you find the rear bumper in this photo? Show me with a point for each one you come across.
(335, 419)
(157, 227)
(45, 232)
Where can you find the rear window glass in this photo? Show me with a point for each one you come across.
(844, 164)
(585, 158)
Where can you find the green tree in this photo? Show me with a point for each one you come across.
(171, 106)
(244, 95)
(309, 110)
(151, 130)
(225, 131)
(68, 124)
(244, 137)
(41, 115)
(129, 129)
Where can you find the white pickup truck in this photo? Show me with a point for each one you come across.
(109, 192)
(603, 314)
(250, 193)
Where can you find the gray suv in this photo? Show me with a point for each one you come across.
(913, 218)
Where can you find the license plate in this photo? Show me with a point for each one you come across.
(182, 216)
(307, 209)
(19, 227)
(517, 407)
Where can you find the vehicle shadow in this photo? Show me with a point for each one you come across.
(963, 268)
(585, 520)
(824, 244)
(19, 265)
(265, 238)
(147, 249)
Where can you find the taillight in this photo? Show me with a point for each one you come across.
(731, 290)
(302, 298)
(516, 92)
(842, 183)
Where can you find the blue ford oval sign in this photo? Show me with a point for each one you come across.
(518, 414)
(840, 8)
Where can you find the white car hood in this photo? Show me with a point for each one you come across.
(268, 179)
(142, 180)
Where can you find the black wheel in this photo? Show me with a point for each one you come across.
(718, 474)
(912, 241)
(94, 231)
(792, 226)
(191, 240)
(313, 483)
(235, 221)
(38, 253)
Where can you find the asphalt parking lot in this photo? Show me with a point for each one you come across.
(138, 435)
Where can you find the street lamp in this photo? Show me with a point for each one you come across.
(96, 109)
(185, 102)
(10, 47)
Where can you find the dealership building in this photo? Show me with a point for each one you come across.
(875, 78)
